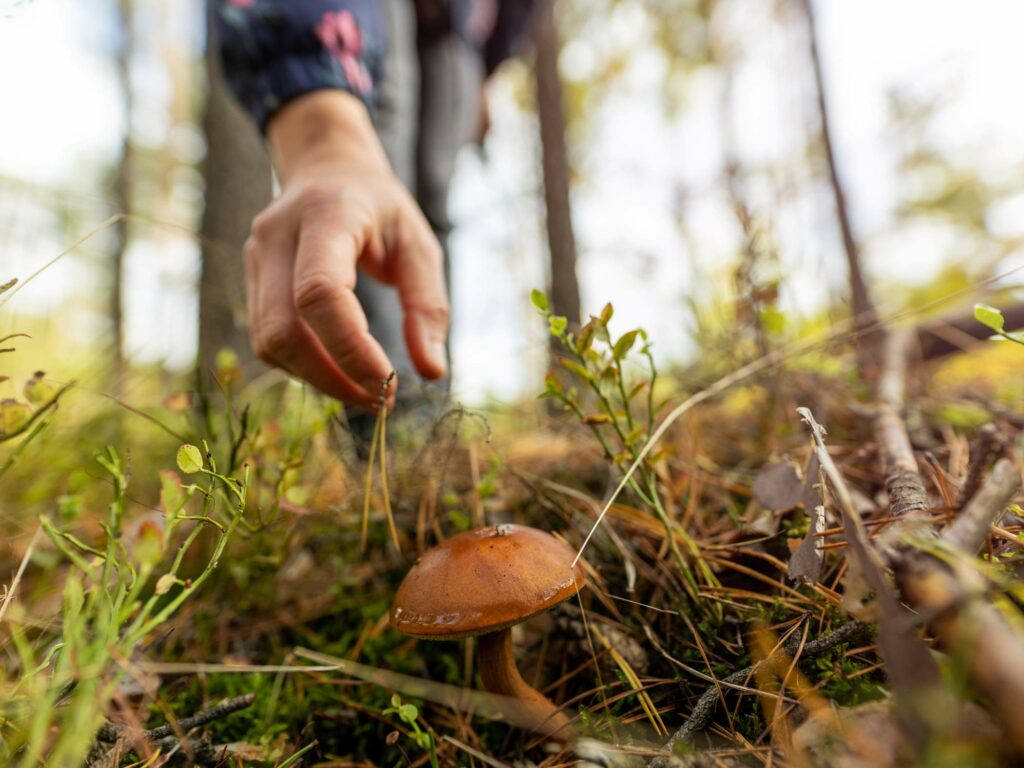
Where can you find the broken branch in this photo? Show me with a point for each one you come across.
(969, 531)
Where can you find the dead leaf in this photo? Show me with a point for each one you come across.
(805, 564)
(178, 402)
(778, 487)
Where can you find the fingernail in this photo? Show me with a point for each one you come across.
(439, 355)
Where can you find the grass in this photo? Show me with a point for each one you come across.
(266, 535)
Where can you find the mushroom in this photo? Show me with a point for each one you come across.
(480, 584)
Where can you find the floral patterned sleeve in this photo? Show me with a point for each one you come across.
(276, 50)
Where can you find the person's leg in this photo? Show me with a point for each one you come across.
(395, 119)
(451, 79)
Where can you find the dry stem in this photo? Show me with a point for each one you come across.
(902, 479)
(969, 531)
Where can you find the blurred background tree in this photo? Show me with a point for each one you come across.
(688, 177)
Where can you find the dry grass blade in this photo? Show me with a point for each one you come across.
(10, 294)
(9, 594)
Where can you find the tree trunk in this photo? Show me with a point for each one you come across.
(862, 305)
(237, 175)
(564, 289)
(122, 195)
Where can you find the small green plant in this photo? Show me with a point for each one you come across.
(620, 412)
(992, 318)
(410, 715)
(113, 600)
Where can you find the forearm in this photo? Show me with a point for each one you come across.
(328, 126)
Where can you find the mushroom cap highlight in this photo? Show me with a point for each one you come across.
(484, 580)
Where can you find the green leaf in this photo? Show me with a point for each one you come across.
(539, 300)
(69, 507)
(773, 321)
(461, 521)
(13, 415)
(624, 344)
(586, 337)
(552, 384)
(409, 713)
(149, 543)
(37, 390)
(227, 366)
(557, 324)
(989, 317)
(574, 367)
(172, 498)
(606, 313)
(190, 459)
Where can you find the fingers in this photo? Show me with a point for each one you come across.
(280, 337)
(324, 295)
(418, 273)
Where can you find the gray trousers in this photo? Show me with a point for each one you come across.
(428, 109)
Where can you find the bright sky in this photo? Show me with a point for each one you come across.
(62, 117)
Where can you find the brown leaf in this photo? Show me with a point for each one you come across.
(805, 564)
(778, 487)
(178, 402)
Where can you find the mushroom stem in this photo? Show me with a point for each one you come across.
(499, 675)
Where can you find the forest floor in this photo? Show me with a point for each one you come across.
(755, 595)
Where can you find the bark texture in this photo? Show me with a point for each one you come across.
(903, 482)
(565, 290)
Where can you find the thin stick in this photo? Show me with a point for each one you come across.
(475, 753)
(111, 731)
(969, 531)
(903, 482)
(700, 716)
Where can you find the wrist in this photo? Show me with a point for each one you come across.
(324, 127)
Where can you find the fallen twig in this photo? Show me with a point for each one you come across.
(990, 441)
(970, 529)
(708, 702)
(902, 479)
(112, 732)
(965, 623)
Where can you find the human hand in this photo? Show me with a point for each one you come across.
(341, 208)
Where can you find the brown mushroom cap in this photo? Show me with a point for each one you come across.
(484, 580)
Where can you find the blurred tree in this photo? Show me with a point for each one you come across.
(122, 197)
(863, 307)
(564, 289)
(237, 176)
